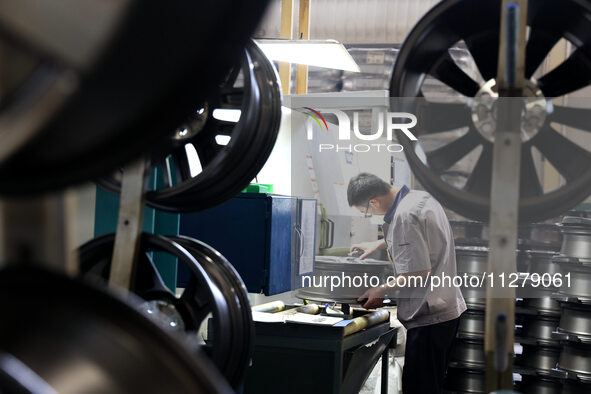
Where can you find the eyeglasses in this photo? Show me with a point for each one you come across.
(367, 214)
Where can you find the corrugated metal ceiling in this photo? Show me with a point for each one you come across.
(352, 21)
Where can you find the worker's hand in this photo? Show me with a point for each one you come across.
(368, 248)
(372, 298)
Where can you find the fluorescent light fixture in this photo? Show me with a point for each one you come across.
(227, 115)
(319, 53)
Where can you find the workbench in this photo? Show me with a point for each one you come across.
(299, 358)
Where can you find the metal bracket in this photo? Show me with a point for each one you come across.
(129, 226)
(500, 302)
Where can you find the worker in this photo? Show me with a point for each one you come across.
(419, 243)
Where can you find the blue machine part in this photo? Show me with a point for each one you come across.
(254, 232)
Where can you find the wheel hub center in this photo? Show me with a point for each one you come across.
(193, 125)
(533, 115)
(164, 313)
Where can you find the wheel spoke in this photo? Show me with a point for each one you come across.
(147, 278)
(232, 77)
(167, 173)
(448, 72)
(231, 98)
(573, 74)
(480, 178)
(530, 184)
(225, 124)
(226, 128)
(198, 300)
(443, 158)
(579, 118)
(233, 104)
(568, 158)
(439, 117)
(207, 150)
(181, 164)
(539, 44)
(485, 52)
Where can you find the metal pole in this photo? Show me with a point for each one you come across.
(500, 302)
(286, 34)
(385, 368)
(304, 34)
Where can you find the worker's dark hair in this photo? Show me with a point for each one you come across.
(364, 187)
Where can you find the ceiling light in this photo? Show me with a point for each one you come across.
(319, 53)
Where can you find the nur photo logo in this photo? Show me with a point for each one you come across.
(347, 130)
(317, 116)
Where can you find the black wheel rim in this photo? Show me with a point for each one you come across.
(201, 298)
(234, 290)
(61, 323)
(425, 52)
(226, 170)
